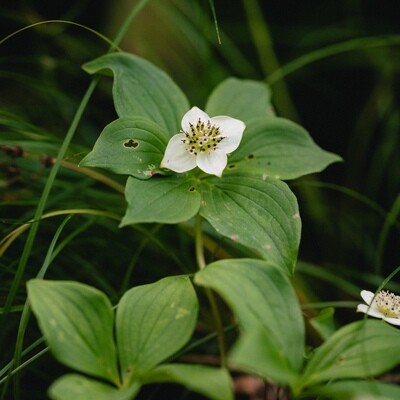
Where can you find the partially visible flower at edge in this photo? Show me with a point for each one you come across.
(204, 142)
(384, 305)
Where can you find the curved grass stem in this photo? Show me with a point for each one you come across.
(53, 173)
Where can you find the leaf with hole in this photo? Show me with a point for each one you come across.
(131, 146)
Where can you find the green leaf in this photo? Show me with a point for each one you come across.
(79, 387)
(260, 213)
(131, 146)
(140, 88)
(356, 389)
(361, 349)
(211, 382)
(78, 322)
(280, 149)
(259, 353)
(324, 323)
(153, 322)
(259, 293)
(241, 99)
(168, 199)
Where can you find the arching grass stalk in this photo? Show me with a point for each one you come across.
(12, 236)
(390, 221)
(61, 21)
(26, 312)
(31, 347)
(268, 60)
(43, 200)
(210, 296)
(381, 286)
(214, 14)
(26, 363)
(367, 43)
(56, 167)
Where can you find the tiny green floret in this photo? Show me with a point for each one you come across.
(202, 137)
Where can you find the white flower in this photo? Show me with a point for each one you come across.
(204, 142)
(384, 305)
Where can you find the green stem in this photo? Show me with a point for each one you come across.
(201, 263)
(218, 326)
(214, 14)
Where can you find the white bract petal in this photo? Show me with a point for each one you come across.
(212, 163)
(366, 309)
(192, 117)
(384, 305)
(393, 321)
(205, 142)
(232, 129)
(367, 296)
(176, 157)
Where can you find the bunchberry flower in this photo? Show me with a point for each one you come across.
(204, 142)
(384, 305)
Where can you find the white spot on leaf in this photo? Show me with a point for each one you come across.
(181, 313)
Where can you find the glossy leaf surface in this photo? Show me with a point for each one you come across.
(211, 382)
(267, 309)
(153, 322)
(361, 349)
(260, 213)
(79, 387)
(240, 98)
(141, 88)
(171, 199)
(77, 321)
(277, 148)
(129, 146)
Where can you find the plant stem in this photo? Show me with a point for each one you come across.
(201, 263)
(218, 326)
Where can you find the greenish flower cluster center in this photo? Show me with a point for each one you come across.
(202, 137)
(388, 303)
